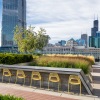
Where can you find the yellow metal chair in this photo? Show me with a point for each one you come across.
(7, 73)
(20, 74)
(54, 77)
(74, 80)
(35, 76)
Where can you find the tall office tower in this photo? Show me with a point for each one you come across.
(94, 39)
(95, 27)
(13, 14)
(85, 38)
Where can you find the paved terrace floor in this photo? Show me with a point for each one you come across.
(30, 93)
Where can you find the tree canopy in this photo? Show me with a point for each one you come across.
(28, 40)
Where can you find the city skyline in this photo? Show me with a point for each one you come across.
(67, 19)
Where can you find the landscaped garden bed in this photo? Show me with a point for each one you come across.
(59, 61)
(65, 61)
(69, 65)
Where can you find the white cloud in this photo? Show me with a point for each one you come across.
(63, 19)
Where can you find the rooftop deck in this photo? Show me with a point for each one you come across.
(35, 93)
(39, 94)
(63, 73)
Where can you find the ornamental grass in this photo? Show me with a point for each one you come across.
(65, 61)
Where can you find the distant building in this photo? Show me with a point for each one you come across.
(85, 38)
(81, 42)
(71, 43)
(57, 44)
(94, 42)
(78, 50)
(94, 39)
(49, 45)
(62, 43)
(13, 14)
(9, 49)
(98, 34)
(95, 28)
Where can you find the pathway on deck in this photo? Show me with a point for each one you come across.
(27, 94)
(33, 94)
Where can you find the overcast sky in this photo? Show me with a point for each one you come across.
(62, 19)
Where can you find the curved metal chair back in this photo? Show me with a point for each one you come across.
(7, 73)
(74, 80)
(54, 77)
(20, 74)
(35, 76)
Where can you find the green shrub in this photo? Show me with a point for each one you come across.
(8, 97)
(9, 58)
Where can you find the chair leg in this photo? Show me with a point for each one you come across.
(80, 89)
(31, 83)
(58, 86)
(40, 83)
(34, 83)
(2, 78)
(24, 81)
(68, 87)
(9, 78)
(16, 80)
(48, 85)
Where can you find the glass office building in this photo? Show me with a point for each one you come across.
(94, 39)
(13, 14)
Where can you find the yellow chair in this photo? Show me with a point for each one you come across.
(74, 80)
(35, 76)
(7, 73)
(54, 77)
(20, 74)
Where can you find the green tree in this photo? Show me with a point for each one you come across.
(28, 40)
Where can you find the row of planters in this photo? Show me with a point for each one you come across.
(8, 58)
(8, 97)
(65, 61)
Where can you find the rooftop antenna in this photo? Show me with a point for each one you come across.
(81, 32)
(86, 31)
(97, 17)
(94, 16)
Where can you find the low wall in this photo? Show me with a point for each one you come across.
(45, 71)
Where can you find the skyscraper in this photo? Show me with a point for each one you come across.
(13, 14)
(85, 38)
(94, 39)
(95, 27)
